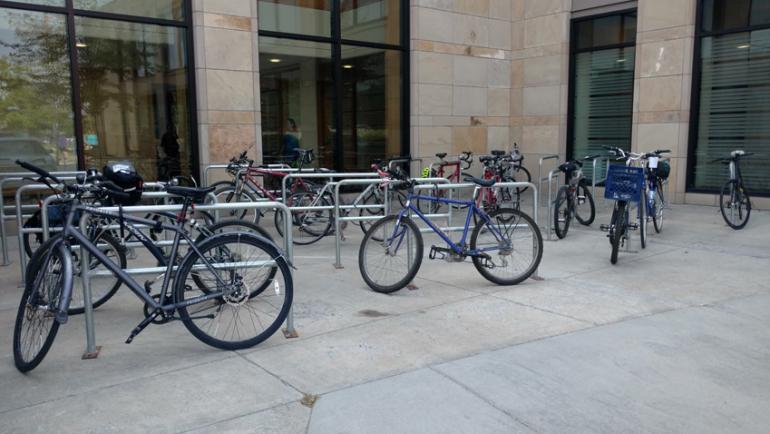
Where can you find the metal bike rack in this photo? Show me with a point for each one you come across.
(92, 351)
(594, 179)
(385, 207)
(540, 178)
(551, 202)
(16, 177)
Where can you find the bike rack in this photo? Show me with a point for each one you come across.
(540, 178)
(385, 207)
(551, 203)
(16, 177)
(92, 351)
(594, 178)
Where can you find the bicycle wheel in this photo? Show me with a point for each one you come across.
(735, 205)
(375, 197)
(102, 287)
(657, 211)
(562, 212)
(307, 226)
(585, 208)
(238, 319)
(233, 226)
(229, 194)
(520, 174)
(391, 263)
(511, 245)
(642, 218)
(618, 229)
(32, 241)
(36, 324)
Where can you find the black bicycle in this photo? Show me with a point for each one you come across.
(574, 199)
(734, 202)
(231, 290)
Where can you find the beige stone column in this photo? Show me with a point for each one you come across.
(460, 76)
(663, 83)
(227, 75)
(540, 77)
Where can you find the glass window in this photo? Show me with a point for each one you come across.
(371, 105)
(133, 88)
(760, 12)
(308, 17)
(719, 15)
(36, 119)
(734, 108)
(296, 99)
(604, 31)
(371, 20)
(164, 9)
(43, 2)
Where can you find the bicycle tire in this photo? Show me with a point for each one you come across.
(221, 304)
(216, 229)
(514, 219)
(219, 184)
(736, 192)
(369, 242)
(618, 225)
(589, 199)
(371, 199)
(27, 362)
(562, 218)
(228, 194)
(521, 174)
(304, 235)
(658, 208)
(643, 222)
(27, 237)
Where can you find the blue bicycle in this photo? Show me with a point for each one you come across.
(505, 245)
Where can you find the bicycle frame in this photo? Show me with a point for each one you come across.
(133, 285)
(472, 210)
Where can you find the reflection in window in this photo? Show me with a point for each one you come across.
(296, 99)
(164, 9)
(308, 17)
(133, 87)
(371, 105)
(36, 122)
(371, 20)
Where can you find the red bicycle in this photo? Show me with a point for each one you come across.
(451, 170)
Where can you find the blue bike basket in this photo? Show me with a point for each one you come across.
(624, 183)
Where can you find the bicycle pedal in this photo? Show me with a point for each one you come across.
(633, 226)
(604, 228)
(438, 253)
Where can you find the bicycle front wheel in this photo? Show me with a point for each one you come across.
(618, 227)
(230, 194)
(735, 205)
(234, 265)
(657, 211)
(36, 324)
(510, 246)
(585, 209)
(390, 254)
(308, 226)
(562, 212)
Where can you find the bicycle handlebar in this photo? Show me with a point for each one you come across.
(40, 171)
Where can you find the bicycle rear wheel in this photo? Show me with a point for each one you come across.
(239, 318)
(562, 212)
(229, 194)
(657, 208)
(512, 246)
(390, 263)
(735, 205)
(585, 212)
(311, 225)
(36, 325)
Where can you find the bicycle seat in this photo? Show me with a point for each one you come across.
(569, 166)
(497, 153)
(737, 153)
(196, 194)
(485, 158)
(441, 155)
(479, 181)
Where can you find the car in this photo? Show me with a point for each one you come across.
(26, 149)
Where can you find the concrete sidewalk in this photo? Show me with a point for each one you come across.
(672, 339)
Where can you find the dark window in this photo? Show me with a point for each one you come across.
(331, 79)
(731, 106)
(79, 91)
(601, 84)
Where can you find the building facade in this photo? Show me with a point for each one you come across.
(176, 85)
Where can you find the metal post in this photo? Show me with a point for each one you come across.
(92, 351)
(550, 204)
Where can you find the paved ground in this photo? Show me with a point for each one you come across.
(673, 339)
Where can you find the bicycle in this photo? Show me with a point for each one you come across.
(502, 167)
(497, 242)
(734, 201)
(201, 297)
(463, 163)
(625, 184)
(571, 196)
(657, 172)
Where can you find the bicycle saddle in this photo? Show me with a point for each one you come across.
(737, 153)
(479, 181)
(569, 166)
(196, 194)
(441, 155)
(497, 153)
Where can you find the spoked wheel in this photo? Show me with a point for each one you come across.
(585, 209)
(390, 263)
(32, 241)
(239, 318)
(374, 198)
(562, 214)
(657, 210)
(735, 205)
(230, 194)
(307, 226)
(618, 227)
(36, 325)
(520, 174)
(642, 216)
(511, 247)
